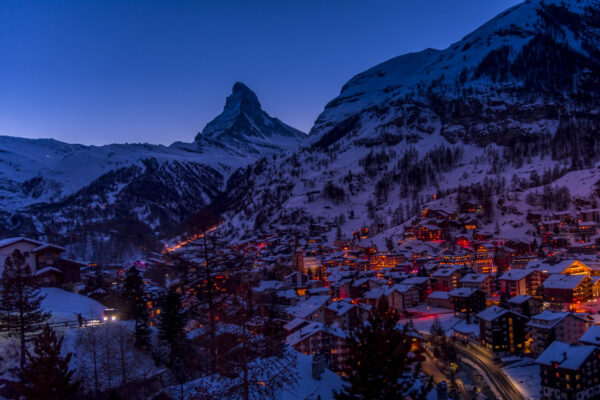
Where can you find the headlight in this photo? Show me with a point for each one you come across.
(105, 318)
(114, 317)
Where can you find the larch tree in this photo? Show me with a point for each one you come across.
(21, 314)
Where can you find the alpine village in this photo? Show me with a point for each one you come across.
(436, 235)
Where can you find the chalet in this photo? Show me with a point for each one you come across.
(445, 279)
(524, 304)
(422, 283)
(316, 338)
(569, 372)
(345, 315)
(311, 309)
(549, 326)
(484, 259)
(589, 215)
(430, 233)
(399, 296)
(44, 259)
(440, 299)
(565, 291)
(467, 302)
(502, 332)
(520, 281)
(483, 282)
(386, 260)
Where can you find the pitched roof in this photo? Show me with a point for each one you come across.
(515, 274)
(591, 336)
(474, 278)
(519, 299)
(566, 355)
(491, 313)
(559, 281)
(463, 292)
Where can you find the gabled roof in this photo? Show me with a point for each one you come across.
(439, 295)
(515, 274)
(591, 336)
(474, 278)
(463, 292)
(492, 313)
(565, 355)
(307, 307)
(309, 330)
(559, 281)
(519, 299)
(9, 241)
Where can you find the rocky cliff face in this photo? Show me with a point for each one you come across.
(245, 127)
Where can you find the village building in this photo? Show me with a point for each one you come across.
(549, 326)
(316, 337)
(467, 302)
(502, 332)
(483, 282)
(569, 372)
(45, 260)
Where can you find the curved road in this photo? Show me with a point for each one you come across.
(496, 376)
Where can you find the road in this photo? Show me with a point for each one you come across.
(495, 375)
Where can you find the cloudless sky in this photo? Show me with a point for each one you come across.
(106, 71)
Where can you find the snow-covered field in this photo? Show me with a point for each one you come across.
(65, 306)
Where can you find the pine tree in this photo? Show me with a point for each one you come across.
(135, 306)
(46, 375)
(20, 301)
(377, 356)
(171, 324)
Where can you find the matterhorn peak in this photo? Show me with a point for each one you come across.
(243, 123)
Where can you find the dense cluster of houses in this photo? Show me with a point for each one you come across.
(537, 299)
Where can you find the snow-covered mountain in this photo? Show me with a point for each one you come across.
(514, 76)
(514, 106)
(243, 124)
(68, 191)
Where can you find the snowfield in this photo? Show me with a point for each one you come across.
(65, 306)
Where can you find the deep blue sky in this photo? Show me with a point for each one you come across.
(104, 71)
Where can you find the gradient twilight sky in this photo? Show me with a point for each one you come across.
(105, 71)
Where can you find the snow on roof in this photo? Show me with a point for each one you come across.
(47, 269)
(469, 329)
(519, 299)
(340, 307)
(591, 336)
(268, 285)
(566, 355)
(463, 292)
(547, 319)
(416, 280)
(492, 313)
(9, 241)
(307, 307)
(439, 295)
(443, 272)
(310, 329)
(44, 246)
(475, 278)
(295, 323)
(563, 281)
(516, 274)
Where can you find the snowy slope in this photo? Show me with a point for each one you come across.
(124, 193)
(499, 82)
(515, 98)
